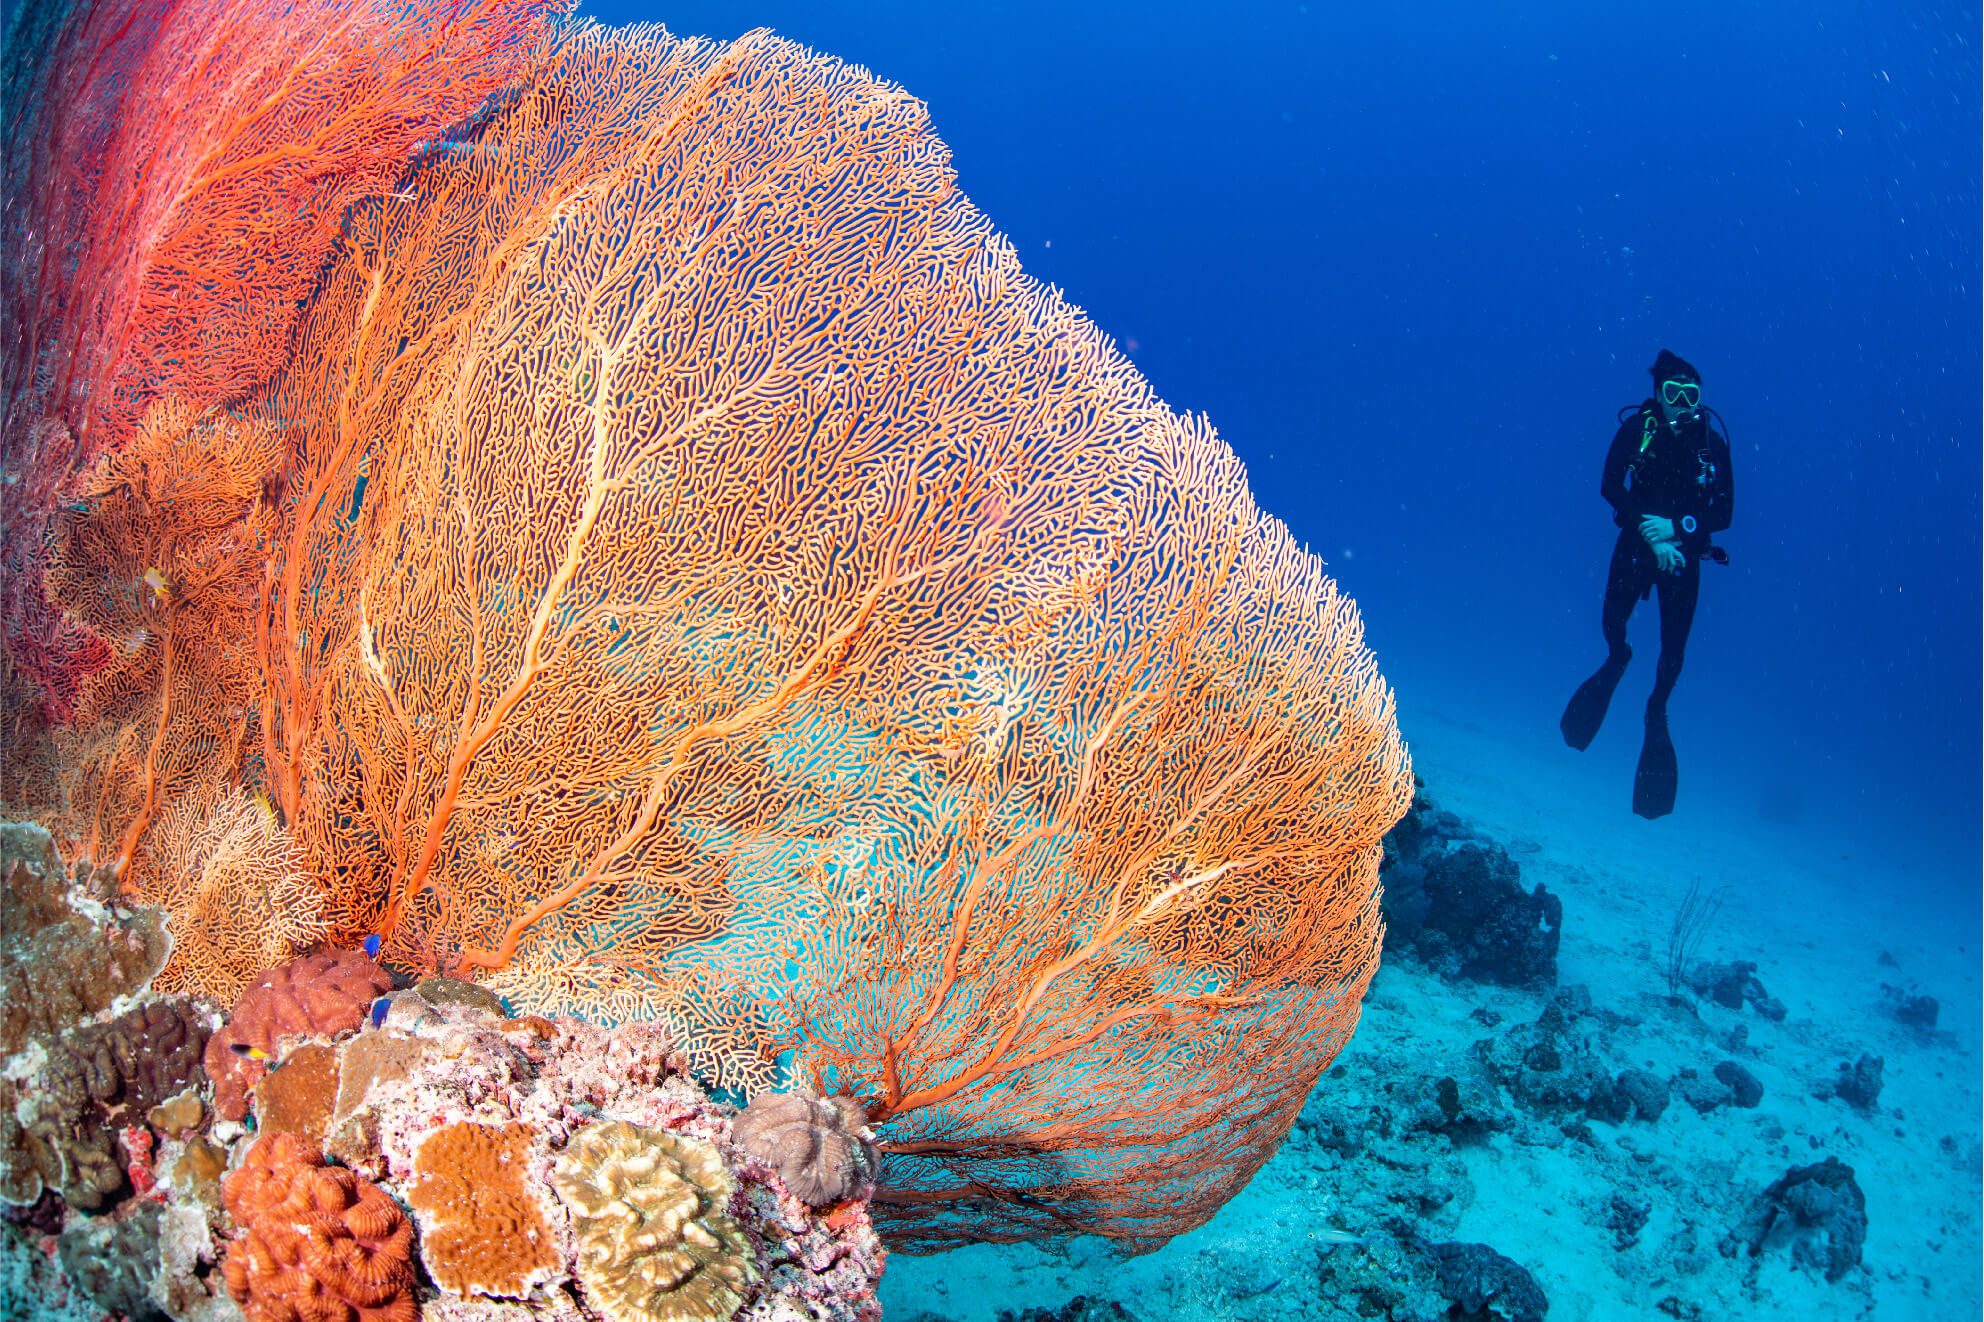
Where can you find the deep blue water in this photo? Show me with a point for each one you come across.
(1411, 258)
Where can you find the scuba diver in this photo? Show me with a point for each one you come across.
(1669, 482)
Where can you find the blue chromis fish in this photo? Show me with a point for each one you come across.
(372, 944)
(380, 1008)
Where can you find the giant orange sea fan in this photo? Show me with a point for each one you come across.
(714, 581)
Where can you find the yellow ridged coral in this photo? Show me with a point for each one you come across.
(481, 1230)
(648, 1210)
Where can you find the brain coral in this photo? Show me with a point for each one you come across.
(819, 1146)
(482, 1231)
(319, 995)
(318, 1241)
(100, 1078)
(648, 1210)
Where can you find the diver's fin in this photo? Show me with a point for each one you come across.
(1586, 710)
(1655, 781)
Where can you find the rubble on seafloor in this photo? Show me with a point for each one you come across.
(337, 1144)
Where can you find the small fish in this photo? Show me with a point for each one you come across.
(1331, 1235)
(247, 1052)
(372, 946)
(380, 1008)
(155, 579)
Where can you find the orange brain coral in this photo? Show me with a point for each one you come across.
(319, 1241)
(710, 579)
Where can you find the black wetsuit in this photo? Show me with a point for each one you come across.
(1685, 477)
(1682, 476)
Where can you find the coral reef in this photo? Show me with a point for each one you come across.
(1638, 1094)
(448, 1084)
(1013, 670)
(102, 1078)
(64, 953)
(482, 1228)
(1857, 1084)
(189, 1286)
(90, 1062)
(820, 1147)
(1745, 1090)
(1483, 1283)
(1078, 1309)
(316, 1240)
(67, 1084)
(1734, 985)
(1916, 1009)
(116, 1261)
(33, 1283)
(647, 1209)
(1394, 1273)
(1458, 906)
(320, 995)
(1817, 1209)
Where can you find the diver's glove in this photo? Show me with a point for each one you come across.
(1668, 557)
(1656, 530)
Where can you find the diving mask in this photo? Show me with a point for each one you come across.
(1687, 394)
(1683, 400)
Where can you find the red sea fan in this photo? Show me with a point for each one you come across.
(176, 174)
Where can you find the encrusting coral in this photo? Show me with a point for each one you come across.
(318, 1241)
(320, 995)
(454, 1108)
(299, 1097)
(820, 1146)
(116, 1261)
(482, 1230)
(441, 1079)
(647, 1208)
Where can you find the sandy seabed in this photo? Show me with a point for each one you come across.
(1831, 928)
